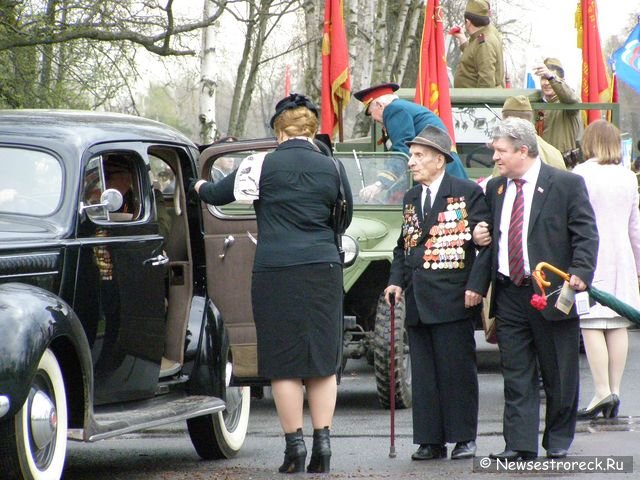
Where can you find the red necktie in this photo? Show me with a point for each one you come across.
(516, 259)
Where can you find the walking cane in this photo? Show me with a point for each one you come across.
(392, 376)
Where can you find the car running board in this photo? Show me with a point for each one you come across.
(110, 422)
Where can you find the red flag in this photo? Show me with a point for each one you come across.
(432, 86)
(287, 81)
(336, 80)
(594, 73)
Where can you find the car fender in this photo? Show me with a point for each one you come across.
(207, 376)
(32, 319)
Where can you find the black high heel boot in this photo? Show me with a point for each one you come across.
(321, 452)
(295, 453)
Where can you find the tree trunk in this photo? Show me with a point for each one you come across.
(208, 81)
(313, 22)
(256, 54)
(239, 89)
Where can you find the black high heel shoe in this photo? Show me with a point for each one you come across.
(613, 412)
(295, 453)
(321, 452)
(606, 406)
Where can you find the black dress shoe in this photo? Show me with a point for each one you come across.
(464, 450)
(428, 451)
(513, 455)
(557, 453)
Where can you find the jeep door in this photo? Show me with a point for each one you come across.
(120, 295)
(230, 237)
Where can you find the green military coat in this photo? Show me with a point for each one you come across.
(481, 64)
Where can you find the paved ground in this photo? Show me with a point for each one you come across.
(360, 438)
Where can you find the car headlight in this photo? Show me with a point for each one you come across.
(351, 249)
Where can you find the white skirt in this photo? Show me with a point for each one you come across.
(605, 323)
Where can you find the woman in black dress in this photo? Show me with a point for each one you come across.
(297, 276)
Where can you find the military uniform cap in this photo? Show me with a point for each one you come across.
(478, 7)
(435, 138)
(554, 64)
(368, 95)
(518, 103)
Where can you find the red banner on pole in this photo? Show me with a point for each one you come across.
(287, 81)
(336, 80)
(432, 86)
(595, 80)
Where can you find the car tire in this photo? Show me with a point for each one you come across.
(382, 351)
(37, 454)
(222, 434)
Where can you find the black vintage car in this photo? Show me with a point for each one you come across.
(112, 284)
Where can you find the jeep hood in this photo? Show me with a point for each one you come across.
(367, 232)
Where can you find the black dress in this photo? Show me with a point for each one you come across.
(297, 278)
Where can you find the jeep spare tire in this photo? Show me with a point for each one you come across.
(381, 355)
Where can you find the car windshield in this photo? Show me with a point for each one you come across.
(31, 182)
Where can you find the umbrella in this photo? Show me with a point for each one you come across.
(392, 376)
(603, 298)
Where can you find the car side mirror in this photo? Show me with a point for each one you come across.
(111, 199)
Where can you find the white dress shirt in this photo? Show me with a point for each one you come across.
(433, 188)
(530, 179)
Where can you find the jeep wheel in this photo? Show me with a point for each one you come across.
(33, 444)
(381, 353)
(221, 435)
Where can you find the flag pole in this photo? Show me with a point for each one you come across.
(340, 130)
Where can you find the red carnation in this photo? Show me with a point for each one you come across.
(538, 302)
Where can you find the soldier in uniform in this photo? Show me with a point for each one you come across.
(434, 266)
(560, 128)
(519, 106)
(481, 64)
(401, 120)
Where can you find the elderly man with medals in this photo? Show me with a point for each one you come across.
(434, 266)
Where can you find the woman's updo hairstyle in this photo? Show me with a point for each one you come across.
(296, 115)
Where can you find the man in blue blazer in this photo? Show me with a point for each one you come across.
(433, 265)
(552, 222)
(402, 121)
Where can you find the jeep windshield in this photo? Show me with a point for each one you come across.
(31, 182)
(363, 168)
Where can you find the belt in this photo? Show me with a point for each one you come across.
(504, 280)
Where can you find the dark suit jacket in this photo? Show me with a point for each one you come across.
(562, 230)
(437, 296)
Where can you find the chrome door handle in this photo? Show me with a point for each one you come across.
(228, 243)
(155, 261)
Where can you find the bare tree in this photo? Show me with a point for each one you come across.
(262, 20)
(77, 53)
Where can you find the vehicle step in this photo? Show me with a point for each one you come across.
(112, 421)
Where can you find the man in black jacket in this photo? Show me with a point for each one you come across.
(433, 264)
(539, 214)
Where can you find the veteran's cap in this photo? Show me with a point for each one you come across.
(478, 7)
(367, 95)
(555, 65)
(435, 138)
(517, 103)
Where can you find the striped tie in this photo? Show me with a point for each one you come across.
(516, 259)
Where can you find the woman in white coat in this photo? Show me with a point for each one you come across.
(613, 192)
